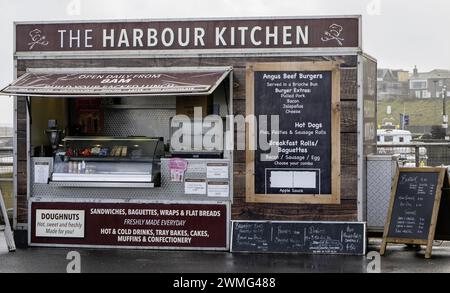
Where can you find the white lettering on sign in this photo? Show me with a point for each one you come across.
(137, 38)
(198, 36)
(123, 39)
(74, 37)
(88, 38)
(253, 36)
(108, 38)
(220, 41)
(169, 37)
(60, 223)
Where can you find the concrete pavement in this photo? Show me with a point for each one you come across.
(53, 260)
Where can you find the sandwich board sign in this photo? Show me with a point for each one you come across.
(415, 208)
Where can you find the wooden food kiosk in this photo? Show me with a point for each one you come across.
(297, 98)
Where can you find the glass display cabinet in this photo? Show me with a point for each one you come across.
(109, 159)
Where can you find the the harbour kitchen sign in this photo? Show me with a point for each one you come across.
(338, 32)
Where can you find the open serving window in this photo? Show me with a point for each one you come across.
(113, 128)
(128, 147)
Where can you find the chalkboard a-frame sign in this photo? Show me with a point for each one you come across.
(305, 96)
(414, 207)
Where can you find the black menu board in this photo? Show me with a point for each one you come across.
(413, 205)
(299, 237)
(297, 132)
(415, 215)
(303, 102)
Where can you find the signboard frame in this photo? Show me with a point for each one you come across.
(335, 164)
(214, 51)
(234, 250)
(53, 201)
(434, 216)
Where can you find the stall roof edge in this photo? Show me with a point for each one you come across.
(324, 16)
(65, 82)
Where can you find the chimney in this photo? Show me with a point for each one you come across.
(415, 71)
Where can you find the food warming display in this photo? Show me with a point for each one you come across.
(109, 159)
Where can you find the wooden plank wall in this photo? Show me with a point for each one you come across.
(22, 206)
(346, 211)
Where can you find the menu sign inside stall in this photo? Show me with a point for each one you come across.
(414, 207)
(300, 158)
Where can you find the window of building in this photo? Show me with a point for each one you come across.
(388, 138)
(418, 84)
(417, 94)
(401, 139)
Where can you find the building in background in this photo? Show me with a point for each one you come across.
(425, 85)
(6, 164)
(392, 84)
(6, 135)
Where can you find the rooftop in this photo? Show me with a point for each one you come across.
(436, 73)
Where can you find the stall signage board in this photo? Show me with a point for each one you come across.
(414, 207)
(144, 225)
(299, 237)
(302, 164)
(184, 35)
(140, 82)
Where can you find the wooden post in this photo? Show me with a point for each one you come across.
(383, 246)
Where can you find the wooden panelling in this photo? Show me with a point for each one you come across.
(22, 65)
(239, 107)
(346, 211)
(22, 209)
(349, 154)
(239, 156)
(349, 182)
(239, 83)
(349, 84)
(21, 108)
(349, 116)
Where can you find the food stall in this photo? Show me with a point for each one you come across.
(138, 134)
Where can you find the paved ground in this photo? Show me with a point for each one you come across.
(42, 260)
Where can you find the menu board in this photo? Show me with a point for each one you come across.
(413, 205)
(297, 144)
(415, 208)
(299, 237)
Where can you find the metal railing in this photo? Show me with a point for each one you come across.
(418, 154)
(6, 169)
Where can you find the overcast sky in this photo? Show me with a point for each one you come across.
(399, 33)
